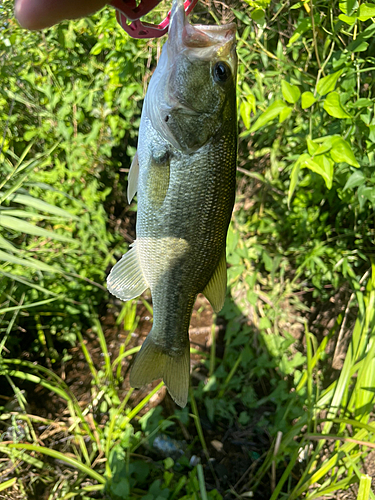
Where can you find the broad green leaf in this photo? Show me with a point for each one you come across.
(311, 146)
(356, 179)
(366, 193)
(371, 135)
(307, 100)
(33, 263)
(342, 152)
(347, 6)
(326, 164)
(333, 106)
(258, 15)
(323, 147)
(347, 19)
(271, 112)
(328, 83)
(362, 103)
(284, 114)
(291, 93)
(322, 167)
(366, 11)
(25, 227)
(359, 47)
(43, 206)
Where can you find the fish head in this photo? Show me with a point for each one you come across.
(192, 94)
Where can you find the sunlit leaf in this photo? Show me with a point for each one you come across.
(333, 106)
(33, 263)
(307, 99)
(366, 11)
(22, 226)
(328, 83)
(41, 205)
(342, 152)
(271, 113)
(291, 93)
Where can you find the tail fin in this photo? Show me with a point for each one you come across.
(151, 363)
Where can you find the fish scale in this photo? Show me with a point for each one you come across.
(184, 172)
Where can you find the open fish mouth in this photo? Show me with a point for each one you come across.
(203, 40)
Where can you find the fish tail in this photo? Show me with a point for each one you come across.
(152, 363)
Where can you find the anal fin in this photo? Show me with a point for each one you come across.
(216, 288)
(152, 363)
(126, 280)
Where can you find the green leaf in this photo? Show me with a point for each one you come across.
(366, 11)
(7, 245)
(321, 166)
(364, 487)
(333, 106)
(366, 193)
(26, 282)
(328, 83)
(284, 114)
(347, 19)
(342, 152)
(356, 179)
(362, 103)
(307, 100)
(245, 111)
(33, 263)
(43, 206)
(326, 164)
(318, 148)
(303, 26)
(357, 46)
(258, 15)
(271, 112)
(294, 176)
(291, 93)
(25, 227)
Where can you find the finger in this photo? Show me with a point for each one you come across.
(39, 14)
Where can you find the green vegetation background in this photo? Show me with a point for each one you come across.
(301, 285)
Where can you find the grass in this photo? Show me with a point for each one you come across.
(324, 448)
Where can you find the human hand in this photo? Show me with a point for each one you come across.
(39, 14)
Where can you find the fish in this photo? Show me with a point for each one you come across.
(184, 173)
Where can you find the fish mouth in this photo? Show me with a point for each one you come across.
(201, 40)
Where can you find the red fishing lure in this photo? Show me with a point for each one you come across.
(128, 10)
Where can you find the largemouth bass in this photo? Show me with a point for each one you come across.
(184, 172)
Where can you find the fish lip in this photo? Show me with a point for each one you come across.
(183, 35)
(201, 36)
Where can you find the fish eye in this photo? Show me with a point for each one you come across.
(221, 72)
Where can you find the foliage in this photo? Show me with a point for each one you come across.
(314, 123)
(61, 127)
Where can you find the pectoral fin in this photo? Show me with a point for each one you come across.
(217, 286)
(126, 280)
(152, 363)
(133, 178)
